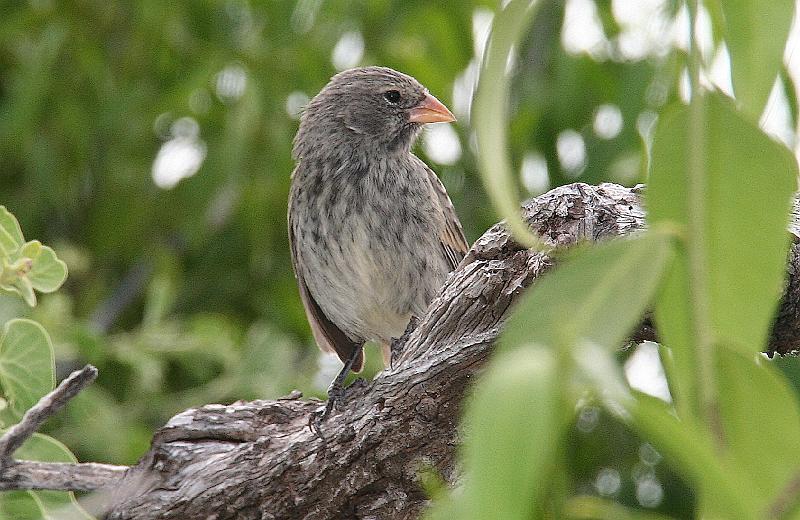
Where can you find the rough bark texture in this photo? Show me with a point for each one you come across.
(60, 476)
(261, 460)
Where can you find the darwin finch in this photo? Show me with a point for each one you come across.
(372, 230)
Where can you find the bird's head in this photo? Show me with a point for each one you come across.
(368, 107)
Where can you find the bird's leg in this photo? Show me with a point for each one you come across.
(335, 392)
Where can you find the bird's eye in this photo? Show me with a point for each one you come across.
(392, 96)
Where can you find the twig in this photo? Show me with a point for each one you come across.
(62, 476)
(16, 474)
(41, 411)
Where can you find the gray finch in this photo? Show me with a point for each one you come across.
(372, 230)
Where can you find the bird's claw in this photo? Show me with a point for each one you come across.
(315, 420)
(335, 394)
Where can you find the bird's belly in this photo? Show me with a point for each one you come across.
(370, 286)
(381, 305)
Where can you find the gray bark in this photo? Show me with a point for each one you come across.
(260, 459)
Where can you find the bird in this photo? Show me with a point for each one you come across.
(372, 230)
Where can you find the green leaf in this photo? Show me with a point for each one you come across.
(7, 244)
(19, 505)
(597, 297)
(596, 508)
(755, 393)
(55, 505)
(10, 233)
(790, 89)
(756, 33)
(17, 284)
(47, 271)
(490, 114)
(514, 425)
(745, 185)
(41, 504)
(27, 366)
(33, 266)
(26, 266)
(717, 16)
(689, 451)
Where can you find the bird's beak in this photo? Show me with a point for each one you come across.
(431, 110)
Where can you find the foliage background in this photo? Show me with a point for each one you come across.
(183, 294)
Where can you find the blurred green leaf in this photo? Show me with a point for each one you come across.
(596, 508)
(27, 366)
(490, 111)
(514, 425)
(756, 33)
(790, 89)
(160, 294)
(19, 505)
(715, 12)
(598, 296)
(755, 393)
(689, 451)
(746, 184)
(54, 505)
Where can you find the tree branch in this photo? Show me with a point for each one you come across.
(47, 406)
(61, 476)
(259, 459)
(52, 475)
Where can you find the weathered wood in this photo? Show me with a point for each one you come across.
(260, 459)
(61, 476)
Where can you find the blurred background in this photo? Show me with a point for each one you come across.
(149, 143)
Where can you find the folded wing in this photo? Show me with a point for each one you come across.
(451, 236)
(329, 337)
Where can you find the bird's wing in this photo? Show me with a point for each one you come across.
(329, 337)
(452, 235)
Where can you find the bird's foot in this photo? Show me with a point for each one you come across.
(318, 417)
(335, 394)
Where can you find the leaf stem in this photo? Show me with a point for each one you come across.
(697, 240)
(490, 114)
